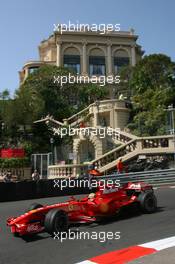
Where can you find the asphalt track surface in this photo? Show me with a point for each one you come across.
(135, 229)
(164, 256)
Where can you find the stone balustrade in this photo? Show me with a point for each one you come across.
(157, 142)
(66, 171)
(121, 136)
(116, 153)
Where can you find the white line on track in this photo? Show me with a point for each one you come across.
(86, 262)
(160, 244)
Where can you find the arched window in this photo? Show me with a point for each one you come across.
(120, 59)
(89, 154)
(72, 59)
(97, 62)
(32, 69)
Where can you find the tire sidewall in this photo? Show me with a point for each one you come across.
(52, 219)
(148, 202)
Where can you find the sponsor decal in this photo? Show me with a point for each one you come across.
(135, 186)
(34, 228)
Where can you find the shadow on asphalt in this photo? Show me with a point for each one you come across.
(160, 209)
(124, 215)
(34, 237)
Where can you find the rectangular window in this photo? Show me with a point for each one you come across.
(32, 69)
(72, 62)
(119, 62)
(97, 65)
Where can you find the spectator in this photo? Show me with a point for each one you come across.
(120, 165)
(93, 171)
(35, 175)
(8, 176)
(82, 125)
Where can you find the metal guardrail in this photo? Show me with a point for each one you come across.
(154, 177)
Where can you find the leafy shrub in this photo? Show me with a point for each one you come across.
(14, 162)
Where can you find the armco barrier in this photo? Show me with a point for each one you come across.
(25, 190)
(7, 191)
(38, 189)
(156, 177)
(50, 188)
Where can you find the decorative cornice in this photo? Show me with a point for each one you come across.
(59, 42)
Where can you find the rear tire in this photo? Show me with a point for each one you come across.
(56, 221)
(148, 202)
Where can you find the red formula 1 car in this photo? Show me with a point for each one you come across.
(106, 202)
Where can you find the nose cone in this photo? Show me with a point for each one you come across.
(15, 220)
(10, 221)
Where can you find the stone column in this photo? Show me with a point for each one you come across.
(133, 56)
(84, 59)
(95, 119)
(58, 54)
(112, 118)
(65, 121)
(109, 59)
(75, 157)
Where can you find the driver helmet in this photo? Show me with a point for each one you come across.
(91, 196)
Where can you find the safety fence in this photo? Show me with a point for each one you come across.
(25, 190)
(156, 177)
(28, 189)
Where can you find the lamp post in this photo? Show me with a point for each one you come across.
(52, 150)
(2, 131)
(171, 110)
(97, 103)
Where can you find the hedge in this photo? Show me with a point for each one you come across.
(14, 163)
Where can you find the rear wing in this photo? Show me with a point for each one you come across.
(138, 186)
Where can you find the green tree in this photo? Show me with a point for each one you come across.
(27, 105)
(40, 95)
(5, 94)
(125, 74)
(5, 101)
(153, 88)
(61, 101)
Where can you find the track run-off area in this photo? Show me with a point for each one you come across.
(134, 228)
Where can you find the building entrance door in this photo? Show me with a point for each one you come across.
(40, 162)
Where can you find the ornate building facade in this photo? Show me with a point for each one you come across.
(90, 53)
(87, 53)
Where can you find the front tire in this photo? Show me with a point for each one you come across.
(34, 206)
(16, 234)
(56, 221)
(148, 202)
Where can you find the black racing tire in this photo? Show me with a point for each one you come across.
(56, 221)
(34, 206)
(148, 202)
(16, 234)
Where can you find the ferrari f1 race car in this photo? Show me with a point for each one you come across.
(106, 202)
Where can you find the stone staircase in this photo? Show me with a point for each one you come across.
(73, 121)
(125, 144)
(148, 146)
(116, 136)
(138, 146)
(120, 137)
